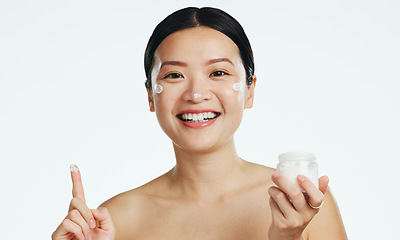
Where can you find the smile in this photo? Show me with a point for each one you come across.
(198, 117)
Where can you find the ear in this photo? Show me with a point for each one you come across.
(250, 93)
(150, 99)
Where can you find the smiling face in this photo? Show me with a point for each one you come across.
(199, 109)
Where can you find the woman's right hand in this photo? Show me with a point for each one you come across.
(80, 223)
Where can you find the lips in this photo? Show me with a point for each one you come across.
(198, 118)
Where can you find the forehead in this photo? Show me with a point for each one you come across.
(197, 44)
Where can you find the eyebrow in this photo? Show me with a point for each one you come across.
(183, 64)
(174, 63)
(217, 60)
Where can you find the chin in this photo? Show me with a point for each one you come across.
(195, 147)
(200, 146)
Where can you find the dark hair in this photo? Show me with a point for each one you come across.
(194, 17)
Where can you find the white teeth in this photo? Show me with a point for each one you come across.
(201, 117)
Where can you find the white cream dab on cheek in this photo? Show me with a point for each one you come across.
(158, 88)
(237, 86)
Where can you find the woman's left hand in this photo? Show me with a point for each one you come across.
(291, 210)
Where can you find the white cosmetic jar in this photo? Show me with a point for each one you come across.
(292, 164)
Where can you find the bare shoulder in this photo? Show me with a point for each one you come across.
(327, 224)
(127, 209)
(259, 171)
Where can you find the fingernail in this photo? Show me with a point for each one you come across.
(301, 178)
(92, 223)
(73, 168)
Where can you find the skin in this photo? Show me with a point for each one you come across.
(211, 193)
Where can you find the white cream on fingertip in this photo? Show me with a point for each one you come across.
(73, 168)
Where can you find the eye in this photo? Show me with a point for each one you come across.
(218, 74)
(174, 75)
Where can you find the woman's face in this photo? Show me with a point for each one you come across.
(199, 109)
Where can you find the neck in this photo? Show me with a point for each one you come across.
(207, 174)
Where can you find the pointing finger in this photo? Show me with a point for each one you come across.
(77, 187)
(80, 206)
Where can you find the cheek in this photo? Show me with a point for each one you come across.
(232, 93)
(165, 100)
(160, 102)
(233, 104)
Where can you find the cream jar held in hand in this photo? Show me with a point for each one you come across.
(292, 164)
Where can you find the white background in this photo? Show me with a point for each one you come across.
(72, 91)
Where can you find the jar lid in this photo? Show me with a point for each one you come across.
(296, 156)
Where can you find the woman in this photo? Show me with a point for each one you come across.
(200, 78)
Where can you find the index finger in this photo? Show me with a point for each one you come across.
(77, 186)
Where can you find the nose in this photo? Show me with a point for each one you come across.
(197, 90)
